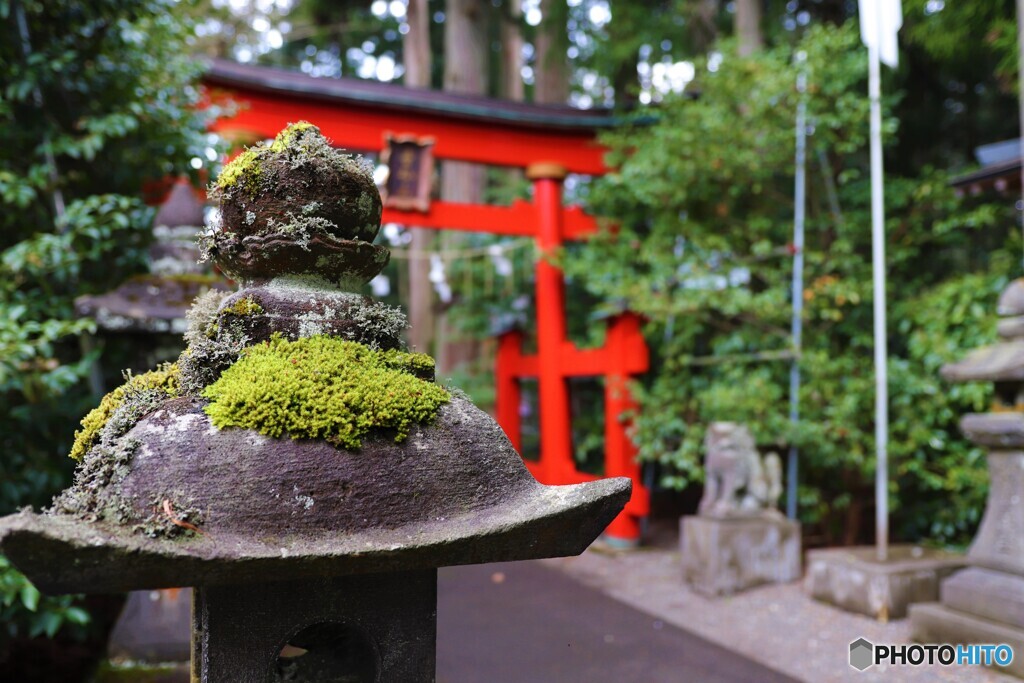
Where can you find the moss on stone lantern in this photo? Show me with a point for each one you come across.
(296, 462)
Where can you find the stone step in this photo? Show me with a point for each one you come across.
(931, 622)
(988, 594)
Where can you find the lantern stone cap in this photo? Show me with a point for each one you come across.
(280, 509)
(1004, 360)
(1001, 362)
(1004, 430)
(1011, 301)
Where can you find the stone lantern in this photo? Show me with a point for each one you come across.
(297, 466)
(985, 602)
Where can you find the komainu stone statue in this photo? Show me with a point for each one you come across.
(736, 479)
(738, 539)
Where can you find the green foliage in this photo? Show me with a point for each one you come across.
(703, 202)
(24, 610)
(324, 387)
(96, 103)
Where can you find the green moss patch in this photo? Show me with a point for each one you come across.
(323, 387)
(162, 382)
(286, 138)
(244, 306)
(244, 169)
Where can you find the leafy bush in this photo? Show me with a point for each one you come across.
(703, 202)
(97, 108)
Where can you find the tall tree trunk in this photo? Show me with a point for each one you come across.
(622, 31)
(551, 74)
(465, 71)
(416, 47)
(512, 87)
(748, 26)
(703, 30)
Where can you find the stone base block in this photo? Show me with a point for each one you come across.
(987, 594)
(855, 580)
(935, 623)
(724, 555)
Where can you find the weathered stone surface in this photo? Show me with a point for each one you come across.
(361, 629)
(999, 543)
(855, 580)
(724, 555)
(303, 182)
(933, 623)
(327, 544)
(295, 308)
(996, 596)
(1011, 327)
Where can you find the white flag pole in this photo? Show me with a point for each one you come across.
(881, 351)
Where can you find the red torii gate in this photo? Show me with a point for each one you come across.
(548, 142)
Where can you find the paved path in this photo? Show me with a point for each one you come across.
(523, 622)
(777, 626)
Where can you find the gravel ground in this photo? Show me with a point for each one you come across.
(775, 625)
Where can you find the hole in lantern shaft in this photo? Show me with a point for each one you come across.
(327, 653)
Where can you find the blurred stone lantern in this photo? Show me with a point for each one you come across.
(985, 602)
(146, 313)
(296, 466)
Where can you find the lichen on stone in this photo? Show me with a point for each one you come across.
(202, 317)
(303, 228)
(301, 142)
(323, 387)
(131, 400)
(169, 518)
(100, 473)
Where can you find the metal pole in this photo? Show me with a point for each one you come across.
(800, 192)
(878, 268)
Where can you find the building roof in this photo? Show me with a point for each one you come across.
(355, 91)
(1000, 168)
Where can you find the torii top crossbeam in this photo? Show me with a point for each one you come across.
(466, 128)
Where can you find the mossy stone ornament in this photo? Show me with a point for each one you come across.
(297, 204)
(296, 436)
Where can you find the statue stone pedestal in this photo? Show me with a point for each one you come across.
(728, 554)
